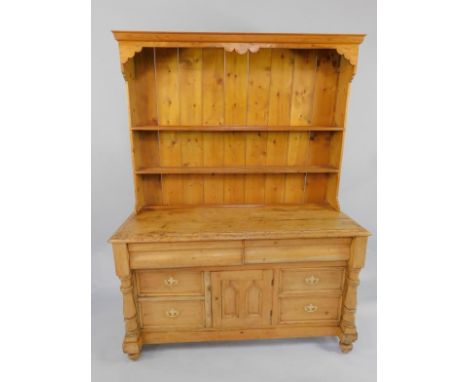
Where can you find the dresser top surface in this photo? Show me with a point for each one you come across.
(175, 224)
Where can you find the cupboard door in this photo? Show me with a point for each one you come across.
(242, 298)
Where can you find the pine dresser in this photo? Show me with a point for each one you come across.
(237, 232)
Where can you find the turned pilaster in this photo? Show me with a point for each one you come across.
(132, 341)
(348, 315)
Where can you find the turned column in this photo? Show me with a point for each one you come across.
(132, 341)
(348, 316)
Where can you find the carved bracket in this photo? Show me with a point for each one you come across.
(242, 48)
(128, 50)
(350, 52)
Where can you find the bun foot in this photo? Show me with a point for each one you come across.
(346, 348)
(134, 356)
(346, 342)
(132, 348)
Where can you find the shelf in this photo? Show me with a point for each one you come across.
(237, 170)
(201, 128)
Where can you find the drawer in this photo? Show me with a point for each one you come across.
(301, 250)
(311, 279)
(169, 283)
(183, 255)
(179, 313)
(309, 308)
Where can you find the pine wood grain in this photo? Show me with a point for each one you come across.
(190, 94)
(143, 105)
(254, 119)
(235, 100)
(213, 115)
(325, 88)
(236, 223)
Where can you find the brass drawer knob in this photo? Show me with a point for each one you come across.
(311, 308)
(172, 313)
(311, 280)
(171, 281)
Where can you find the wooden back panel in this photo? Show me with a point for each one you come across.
(215, 127)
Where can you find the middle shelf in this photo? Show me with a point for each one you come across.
(236, 153)
(238, 170)
(239, 128)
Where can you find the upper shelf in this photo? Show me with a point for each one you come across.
(234, 128)
(238, 170)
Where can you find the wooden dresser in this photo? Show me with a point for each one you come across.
(236, 145)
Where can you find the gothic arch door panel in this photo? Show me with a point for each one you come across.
(242, 298)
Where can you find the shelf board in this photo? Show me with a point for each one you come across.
(235, 128)
(238, 170)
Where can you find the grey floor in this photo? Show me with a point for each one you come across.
(310, 359)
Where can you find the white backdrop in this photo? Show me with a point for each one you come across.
(112, 189)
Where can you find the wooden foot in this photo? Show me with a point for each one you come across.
(346, 342)
(346, 348)
(134, 356)
(132, 347)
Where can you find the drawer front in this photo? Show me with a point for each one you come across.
(310, 308)
(169, 283)
(183, 255)
(311, 279)
(188, 313)
(286, 251)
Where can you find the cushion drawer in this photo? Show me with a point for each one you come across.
(309, 308)
(311, 279)
(301, 250)
(178, 313)
(178, 255)
(151, 282)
